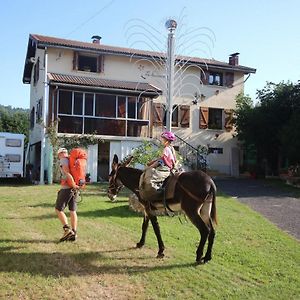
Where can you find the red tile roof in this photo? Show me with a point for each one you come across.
(53, 41)
(138, 87)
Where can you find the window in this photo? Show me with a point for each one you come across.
(180, 115)
(89, 104)
(215, 118)
(13, 143)
(65, 102)
(211, 118)
(215, 150)
(36, 74)
(103, 114)
(215, 78)
(70, 124)
(13, 157)
(105, 105)
(121, 107)
(39, 109)
(131, 107)
(32, 117)
(87, 62)
(78, 103)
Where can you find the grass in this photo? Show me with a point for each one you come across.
(252, 259)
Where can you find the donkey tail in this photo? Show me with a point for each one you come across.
(213, 213)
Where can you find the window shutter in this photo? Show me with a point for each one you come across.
(228, 119)
(158, 112)
(203, 122)
(204, 76)
(184, 116)
(75, 60)
(229, 78)
(100, 63)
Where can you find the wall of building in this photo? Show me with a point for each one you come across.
(125, 68)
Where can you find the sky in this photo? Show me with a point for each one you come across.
(266, 33)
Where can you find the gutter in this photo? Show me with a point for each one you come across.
(106, 89)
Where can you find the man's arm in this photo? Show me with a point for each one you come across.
(70, 178)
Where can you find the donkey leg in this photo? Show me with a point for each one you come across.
(211, 238)
(141, 243)
(156, 229)
(205, 216)
(192, 213)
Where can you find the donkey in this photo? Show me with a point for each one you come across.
(194, 194)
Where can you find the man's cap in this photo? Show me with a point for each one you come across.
(62, 150)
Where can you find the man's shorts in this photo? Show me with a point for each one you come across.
(66, 197)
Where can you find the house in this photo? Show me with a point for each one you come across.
(119, 94)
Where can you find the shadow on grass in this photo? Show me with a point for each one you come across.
(121, 211)
(59, 264)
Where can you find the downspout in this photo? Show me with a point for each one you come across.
(45, 110)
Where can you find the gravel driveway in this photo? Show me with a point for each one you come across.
(278, 206)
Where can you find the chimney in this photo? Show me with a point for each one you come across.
(234, 59)
(96, 39)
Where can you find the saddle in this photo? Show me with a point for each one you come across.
(157, 185)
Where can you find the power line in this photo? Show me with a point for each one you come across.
(89, 19)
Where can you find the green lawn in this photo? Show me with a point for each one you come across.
(252, 259)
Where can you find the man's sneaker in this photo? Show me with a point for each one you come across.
(67, 233)
(72, 237)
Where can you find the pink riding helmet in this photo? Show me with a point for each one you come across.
(168, 135)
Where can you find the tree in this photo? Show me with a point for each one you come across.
(15, 120)
(271, 125)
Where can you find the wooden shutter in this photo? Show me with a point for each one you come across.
(228, 119)
(75, 60)
(204, 75)
(100, 63)
(203, 122)
(229, 78)
(158, 112)
(184, 116)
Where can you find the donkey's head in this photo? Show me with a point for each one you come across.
(115, 184)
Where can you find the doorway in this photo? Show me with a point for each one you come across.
(103, 161)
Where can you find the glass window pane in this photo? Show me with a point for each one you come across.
(143, 107)
(13, 142)
(87, 63)
(78, 100)
(105, 105)
(131, 107)
(65, 102)
(215, 118)
(121, 107)
(137, 128)
(70, 124)
(104, 126)
(13, 157)
(89, 104)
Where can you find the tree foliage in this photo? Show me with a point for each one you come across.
(272, 126)
(15, 120)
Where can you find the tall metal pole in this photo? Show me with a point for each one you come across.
(171, 26)
(43, 129)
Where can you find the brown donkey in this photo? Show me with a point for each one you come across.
(194, 194)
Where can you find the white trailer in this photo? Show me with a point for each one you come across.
(11, 155)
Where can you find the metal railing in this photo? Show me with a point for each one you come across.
(193, 158)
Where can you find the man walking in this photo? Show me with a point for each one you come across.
(66, 197)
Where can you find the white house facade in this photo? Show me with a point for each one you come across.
(119, 95)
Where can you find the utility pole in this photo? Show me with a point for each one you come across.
(171, 26)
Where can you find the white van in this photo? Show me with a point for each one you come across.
(11, 155)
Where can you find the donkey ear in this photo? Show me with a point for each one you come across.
(115, 159)
(127, 161)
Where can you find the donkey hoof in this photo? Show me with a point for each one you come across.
(160, 255)
(139, 245)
